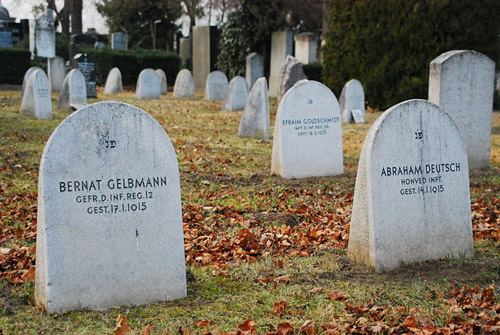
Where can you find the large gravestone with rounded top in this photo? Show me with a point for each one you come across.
(37, 102)
(216, 86)
(114, 82)
(236, 95)
(74, 92)
(148, 85)
(184, 84)
(352, 99)
(254, 122)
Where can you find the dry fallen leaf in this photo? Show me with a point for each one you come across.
(122, 327)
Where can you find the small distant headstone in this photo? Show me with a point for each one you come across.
(114, 82)
(291, 72)
(412, 200)
(462, 83)
(27, 76)
(184, 84)
(352, 98)
(36, 98)
(236, 95)
(254, 68)
(74, 92)
(119, 41)
(99, 45)
(306, 47)
(281, 46)
(358, 116)
(109, 212)
(163, 81)
(216, 86)
(255, 119)
(6, 37)
(86, 65)
(308, 133)
(43, 35)
(148, 85)
(57, 73)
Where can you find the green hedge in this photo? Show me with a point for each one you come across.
(313, 71)
(131, 63)
(388, 44)
(15, 63)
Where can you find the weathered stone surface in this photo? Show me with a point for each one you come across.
(27, 76)
(43, 35)
(57, 72)
(86, 65)
(411, 201)
(216, 86)
(184, 84)
(148, 85)
(74, 92)
(306, 47)
(36, 98)
(185, 48)
(109, 212)
(462, 83)
(204, 54)
(114, 82)
(163, 81)
(255, 119)
(291, 72)
(281, 46)
(254, 68)
(351, 98)
(236, 95)
(308, 133)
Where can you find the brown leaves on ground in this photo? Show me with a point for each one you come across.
(486, 218)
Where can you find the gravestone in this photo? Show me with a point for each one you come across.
(236, 95)
(74, 92)
(27, 76)
(462, 83)
(43, 35)
(86, 65)
(37, 102)
(291, 72)
(306, 47)
(148, 85)
(57, 73)
(411, 200)
(281, 46)
(163, 81)
(81, 41)
(352, 98)
(254, 68)
(109, 212)
(184, 84)
(6, 37)
(254, 122)
(114, 82)
(119, 41)
(205, 52)
(216, 86)
(185, 49)
(308, 133)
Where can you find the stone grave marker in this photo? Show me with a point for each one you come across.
(86, 65)
(27, 76)
(352, 98)
(37, 102)
(205, 51)
(306, 47)
(358, 116)
(43, 35)
(57, 73)
(74, 92)
(216, 86)
(184, 84)
(308, 133)
(163, 81)
(114, 82)
(236, 95)
(462, 83)
(411, 200)
(254, 68)
(109, 212)
(291, 72)
(148, 85)
(119, 41)
(254, 122)
(281, 46)
(6, 37)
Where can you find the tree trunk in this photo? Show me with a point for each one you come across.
(76, 17)
(152, 29)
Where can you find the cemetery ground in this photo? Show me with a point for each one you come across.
(263, 254)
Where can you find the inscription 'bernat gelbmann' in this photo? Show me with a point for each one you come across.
(116, 195)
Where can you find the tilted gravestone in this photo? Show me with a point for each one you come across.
(411, 200)
(236, 95)
(352, 98)
(109, 212)
(57, 72)
(291, 72)
(254, 68)
(308, 133)
(462, 83)
(74, 92)
(86, 65)
(184, 84)
(148, 85)
(27, 76)
(254, 122)
(114, 82)
(216, 86)
(163, 81)
(37, 102)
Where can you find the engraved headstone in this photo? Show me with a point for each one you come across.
(411, 200)
(352, 98)
(254, 122)
(57, 73)
(36, 98)
(148, 85)
(281, 46)
(306, 47)
(216, 86)
(114, 82)
(291, 72)
(236, 95)
(74, 92)
(86, 65)
(27, 76)
(184, 84)
(163, 81)
(358, 116)
(43, 35)
(109, 212)
(119, 41)
(254, 68)
(462, 83)
(308, 133)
